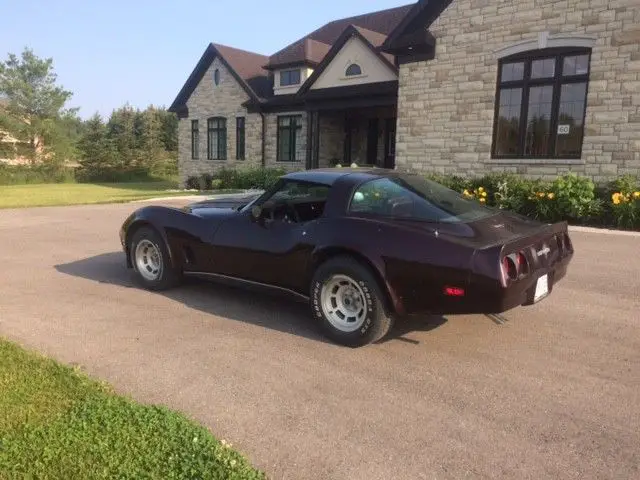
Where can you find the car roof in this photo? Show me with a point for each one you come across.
(328, 176)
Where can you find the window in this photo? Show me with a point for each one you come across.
(216, 77)
(195, 140)
(289, 77)
(415, 198)
(353, 70)
(240, 137)
(217, 138)
(295, 201)
(289, 137)
(540, 105)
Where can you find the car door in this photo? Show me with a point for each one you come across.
(269, 249)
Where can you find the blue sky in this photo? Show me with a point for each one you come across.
(141, 51)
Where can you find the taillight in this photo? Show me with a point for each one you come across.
(523, 265)
(510, 268)
(514, 266)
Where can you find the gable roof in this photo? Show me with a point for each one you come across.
(348, 33)
(395, 35)
(246, 68)
(382, 22)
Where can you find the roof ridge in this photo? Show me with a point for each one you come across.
(376, 12)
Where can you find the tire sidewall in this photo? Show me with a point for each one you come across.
(375, 309)
(151, 235)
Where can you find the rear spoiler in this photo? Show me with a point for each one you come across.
(546, 231)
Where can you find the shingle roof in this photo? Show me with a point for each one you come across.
(251, 69)
(248, 65)
(380, 24)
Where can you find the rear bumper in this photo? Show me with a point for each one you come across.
(524, 294)
(484, 296)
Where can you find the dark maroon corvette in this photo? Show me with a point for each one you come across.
(362, 246)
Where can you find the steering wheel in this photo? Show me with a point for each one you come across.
(291, 210)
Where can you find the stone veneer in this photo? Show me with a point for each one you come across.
(446, 105)
(224, 100)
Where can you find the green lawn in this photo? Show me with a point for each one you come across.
(37, 195)
(56, 423)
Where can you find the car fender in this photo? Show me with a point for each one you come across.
(151, 216)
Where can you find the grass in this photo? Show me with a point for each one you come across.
(39, 195)
(57, 423)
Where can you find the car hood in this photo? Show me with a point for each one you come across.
(223, 205)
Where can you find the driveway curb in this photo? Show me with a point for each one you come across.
(604, 231)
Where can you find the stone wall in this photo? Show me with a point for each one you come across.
(224, 100)
(446, 105)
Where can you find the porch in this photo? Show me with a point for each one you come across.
(358, 129)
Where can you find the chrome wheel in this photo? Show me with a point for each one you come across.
(148, 260)
(343, 303)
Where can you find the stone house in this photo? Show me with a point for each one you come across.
(536, 87)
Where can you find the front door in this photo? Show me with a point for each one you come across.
(272, 249)
(372, 142)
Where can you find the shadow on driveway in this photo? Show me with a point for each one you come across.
(233, 302)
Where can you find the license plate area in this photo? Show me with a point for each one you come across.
(542, 288)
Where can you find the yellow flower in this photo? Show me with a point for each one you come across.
(483, 200)
(636, 194)
(484, 194)
(540, 194)
(480, 189)
(466, 193)
(551, 196)
(617, 198)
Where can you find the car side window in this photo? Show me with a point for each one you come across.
(377, 197)
(297, 202)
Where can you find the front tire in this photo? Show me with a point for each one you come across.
(349, 303)
(150, 259)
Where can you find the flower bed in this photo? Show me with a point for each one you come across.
(569, 197)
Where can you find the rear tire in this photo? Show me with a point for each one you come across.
(349, 302)
(152, 267)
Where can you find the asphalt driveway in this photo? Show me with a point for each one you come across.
(554, 393)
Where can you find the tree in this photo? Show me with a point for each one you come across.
(34, 112)
(97, 151)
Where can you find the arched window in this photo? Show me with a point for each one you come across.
(216, 77)
(540, 104)
(353, 70)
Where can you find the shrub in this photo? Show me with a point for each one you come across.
(249, 178)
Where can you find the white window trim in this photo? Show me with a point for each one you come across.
(545, 40)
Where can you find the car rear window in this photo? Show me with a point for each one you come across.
(415, 198)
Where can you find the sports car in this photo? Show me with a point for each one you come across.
(364, 247)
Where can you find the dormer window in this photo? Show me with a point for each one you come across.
(289, 77)
(216, 77)
(353, 70)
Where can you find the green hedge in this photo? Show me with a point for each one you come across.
(24, 174)
(243, 179)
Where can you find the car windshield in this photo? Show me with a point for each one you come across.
(415, 198)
